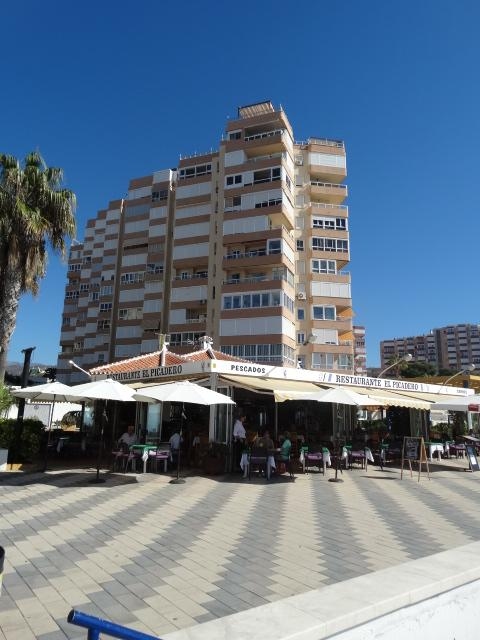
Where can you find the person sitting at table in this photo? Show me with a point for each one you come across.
(128, 438)
(265, 441)
(175, 440)
(286, 447)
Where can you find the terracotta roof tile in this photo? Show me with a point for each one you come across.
(152, 360)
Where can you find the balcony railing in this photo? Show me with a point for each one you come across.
(254, 253)
(265, 134)
(191, 276)
(326, 142)
(326, 205)
(328, 185)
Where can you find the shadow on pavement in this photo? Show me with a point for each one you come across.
(65, 479)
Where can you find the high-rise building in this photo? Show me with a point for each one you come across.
(453, 347)
(246, 244)
(359, 350)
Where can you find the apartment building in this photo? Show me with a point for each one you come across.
(246, 244)
(359, 351)
(452, 347)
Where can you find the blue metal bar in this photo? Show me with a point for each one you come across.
(96, 626)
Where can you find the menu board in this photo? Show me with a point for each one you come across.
(413, 450)
(472, 457)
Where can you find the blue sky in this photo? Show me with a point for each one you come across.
(114, 90)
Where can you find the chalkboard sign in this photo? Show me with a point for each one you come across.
(413, 450)
(472, 457)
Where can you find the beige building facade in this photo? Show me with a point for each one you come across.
(247, 244)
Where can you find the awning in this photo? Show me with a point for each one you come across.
(393, 399)
(296, 390)
(286, 389)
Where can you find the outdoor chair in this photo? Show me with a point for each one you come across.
(258, 459)
(313, 459)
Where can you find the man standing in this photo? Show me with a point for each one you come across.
(239, 435)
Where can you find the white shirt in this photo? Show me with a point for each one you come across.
(128, 438)
(175, 441)
(239, 430)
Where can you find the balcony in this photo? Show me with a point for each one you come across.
(329, 192)
(324, 142)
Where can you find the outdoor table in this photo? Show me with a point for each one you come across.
(435, 446)
(143, 450)
(458, 449)
(245, 462)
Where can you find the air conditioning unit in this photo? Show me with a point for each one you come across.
(301, 295)
(299, 161)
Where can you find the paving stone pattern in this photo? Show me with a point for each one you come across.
(159, 557)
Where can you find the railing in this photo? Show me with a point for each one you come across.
(265, 134)
(270, 156)
(326, 205)
(254, 253)
(324, 141)
(96, 626)
(254, 279)
(191, 276)
(328, 185)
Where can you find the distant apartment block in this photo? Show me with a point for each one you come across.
(451, 347)
(247, 244)
(359, 350)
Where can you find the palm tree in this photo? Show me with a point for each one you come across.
(36, 213)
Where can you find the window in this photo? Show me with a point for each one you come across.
(235, 135)
(324, 312)
(329, 244)
(84, 287)
(274, 246)
(271, 202)
(159, 195)
(300, 245)
(105, 306)
(103, 325)
(233, 180)
(300, 313)
(324, 266)
(75, 267)
(135, 313)
(193, 172)
(233, 203)
(66, 322)
(339, 224)
(267, 175)
(300, 338)
(106, 291)
(132, 278)
(154, 268)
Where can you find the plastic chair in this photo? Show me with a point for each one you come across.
(258, 457)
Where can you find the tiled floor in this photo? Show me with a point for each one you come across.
(158, 556)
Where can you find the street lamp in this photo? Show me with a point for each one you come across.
(406, 358)
(74, 364)
(471, 367)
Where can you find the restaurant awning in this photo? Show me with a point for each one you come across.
(290, 389)
(297, 390)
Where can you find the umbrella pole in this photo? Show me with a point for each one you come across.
(103, 419)
(48, 436)
(179, 480)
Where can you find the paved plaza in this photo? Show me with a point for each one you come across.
(159, 557)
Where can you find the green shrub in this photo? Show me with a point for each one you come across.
(30, 442)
